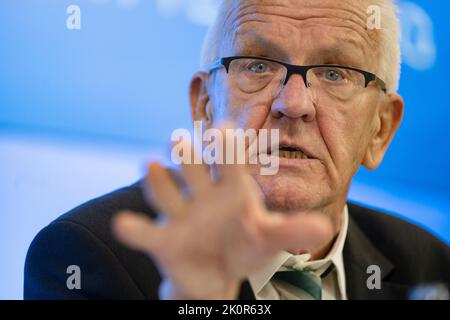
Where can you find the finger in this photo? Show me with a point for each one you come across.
(215, 173)
(232, 153)
(163, 191)
(254, 198)
(254, 188)
(137, 231)
(196, 174)
(302, 231)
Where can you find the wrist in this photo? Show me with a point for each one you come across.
(169, 292)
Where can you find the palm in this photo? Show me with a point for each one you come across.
(219, 235)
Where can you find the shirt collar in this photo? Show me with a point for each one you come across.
(283, 258)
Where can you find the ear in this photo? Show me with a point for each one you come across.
(201, 107)
(388, 118)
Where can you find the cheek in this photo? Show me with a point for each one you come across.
(343, 132)
(246, 111)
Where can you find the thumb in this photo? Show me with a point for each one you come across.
(137, 231)
(305, 231)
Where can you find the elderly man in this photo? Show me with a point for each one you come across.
(315, 71)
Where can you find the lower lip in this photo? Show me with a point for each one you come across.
(294, 162)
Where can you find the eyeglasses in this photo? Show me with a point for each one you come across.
(257, 74)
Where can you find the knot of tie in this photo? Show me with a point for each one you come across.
(305, 279)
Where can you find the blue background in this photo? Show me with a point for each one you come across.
(82, 111)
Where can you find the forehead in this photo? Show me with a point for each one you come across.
(304, 31)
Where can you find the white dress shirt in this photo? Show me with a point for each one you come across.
(333, 284)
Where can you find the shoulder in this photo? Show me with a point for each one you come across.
(95, 215)
(409, 246)
(377, 223)
(83, 237)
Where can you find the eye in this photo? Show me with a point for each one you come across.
(333, 75)
(259, 67)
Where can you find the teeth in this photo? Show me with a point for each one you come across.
(292, 154)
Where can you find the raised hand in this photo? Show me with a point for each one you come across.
(212, 238)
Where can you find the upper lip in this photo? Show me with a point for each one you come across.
(294, 146)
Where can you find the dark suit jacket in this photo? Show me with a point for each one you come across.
(406, 254)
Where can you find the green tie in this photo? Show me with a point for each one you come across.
(306, 280)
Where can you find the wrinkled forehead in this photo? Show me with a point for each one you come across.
(301, 31)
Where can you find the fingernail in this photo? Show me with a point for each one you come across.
(154, 166)
(124, 221)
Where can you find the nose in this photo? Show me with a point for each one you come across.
(294, 101)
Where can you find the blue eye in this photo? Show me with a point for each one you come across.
(259, 67)
(333, 75)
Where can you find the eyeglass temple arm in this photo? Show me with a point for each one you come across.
(380, 83)
(219, 63)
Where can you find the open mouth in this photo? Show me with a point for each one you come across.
(292, 152)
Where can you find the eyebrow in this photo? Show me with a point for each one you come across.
(259, 45)
(253, 43)
(337, 55)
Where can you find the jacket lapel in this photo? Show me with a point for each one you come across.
(359, 253)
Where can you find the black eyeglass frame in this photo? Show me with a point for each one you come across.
(301, 70)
